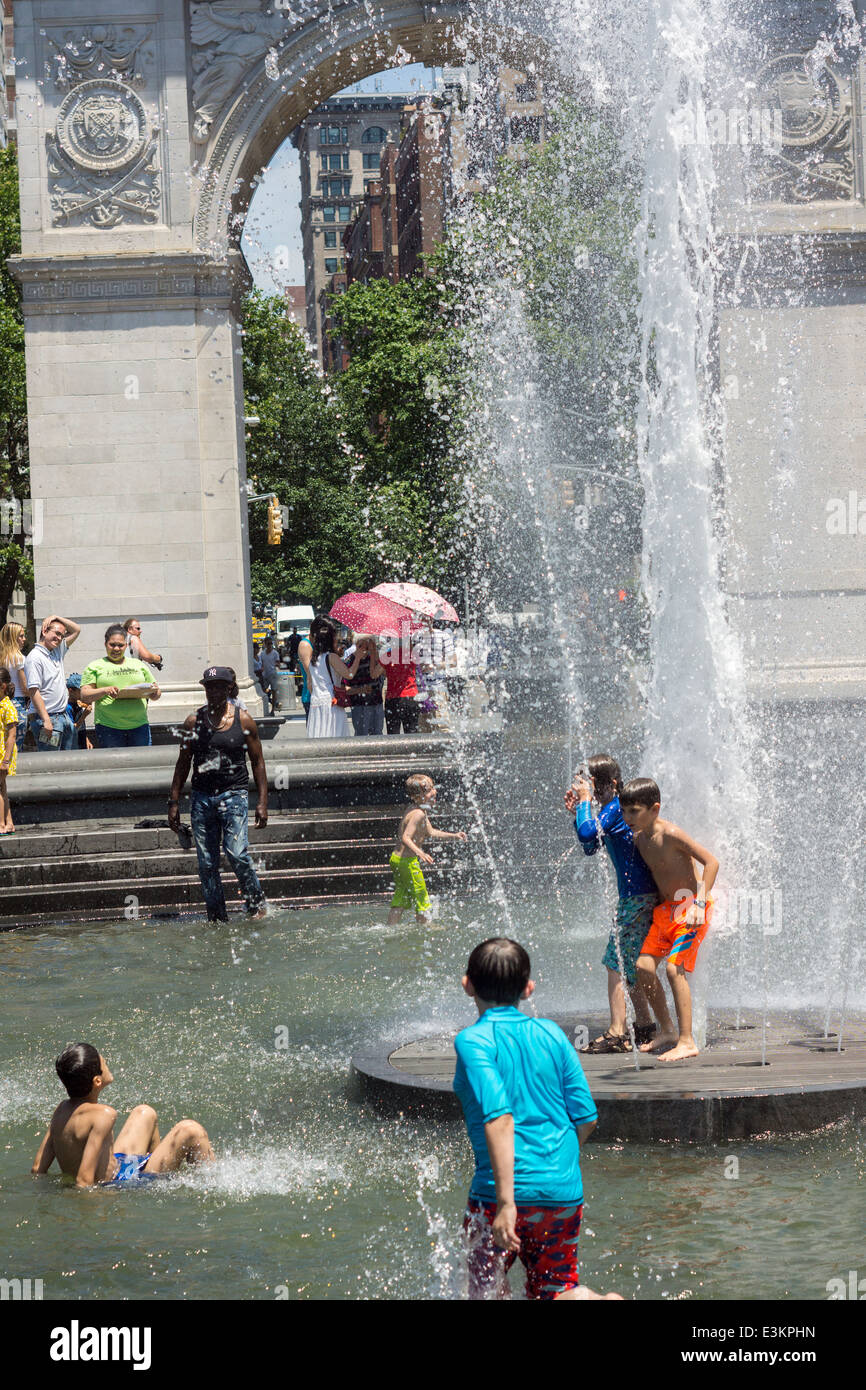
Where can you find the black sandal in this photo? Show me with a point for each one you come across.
(607, 1043)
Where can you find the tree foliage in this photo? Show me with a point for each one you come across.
(16, 567)
(365, 460)
(299, 451)
(404, 396)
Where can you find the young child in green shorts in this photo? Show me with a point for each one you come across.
(410, 890)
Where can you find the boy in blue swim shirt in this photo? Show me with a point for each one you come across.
(528, 1109)
(81, 1133)
(638, 896)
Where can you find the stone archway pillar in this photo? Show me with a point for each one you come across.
(133, 353)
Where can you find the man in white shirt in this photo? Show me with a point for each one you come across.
(46, 685)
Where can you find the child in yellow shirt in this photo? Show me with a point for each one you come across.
(8, 752)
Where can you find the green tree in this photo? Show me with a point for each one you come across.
(299, 450)
(16, 567)
(404, 396)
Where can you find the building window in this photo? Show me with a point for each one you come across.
(334, 188)
(526, 128)
(333, 135)
(374, 135)
(331, 264)
(329, 213)
(345, 213)
(528, 90)
(330, 238)
(371, 161)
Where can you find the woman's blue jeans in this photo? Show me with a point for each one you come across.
(368, 719)
(139, 737)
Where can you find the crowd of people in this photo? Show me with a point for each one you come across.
(374, 684)
(44, 710)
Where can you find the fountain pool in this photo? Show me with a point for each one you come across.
(315, 1196)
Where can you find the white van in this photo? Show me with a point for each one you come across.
(300, 617)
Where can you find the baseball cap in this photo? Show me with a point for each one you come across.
(218, 673)
(74, 680)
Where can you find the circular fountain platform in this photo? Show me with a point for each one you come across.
(725, 1093)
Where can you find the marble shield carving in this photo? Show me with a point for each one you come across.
(102, 157)
(816, 158)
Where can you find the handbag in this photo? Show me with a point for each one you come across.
(341, 695)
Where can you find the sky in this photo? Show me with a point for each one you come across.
(272, 235)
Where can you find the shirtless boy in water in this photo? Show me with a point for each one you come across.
(81, 1133)
(410, 890)
(680, 921)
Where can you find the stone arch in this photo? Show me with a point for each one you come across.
(258, 118)
(129, 281)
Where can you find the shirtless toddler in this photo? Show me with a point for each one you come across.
(410, 890)
(680, 921)
(81, 1133)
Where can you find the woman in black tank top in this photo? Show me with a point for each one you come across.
(216, 742)
(219, 755)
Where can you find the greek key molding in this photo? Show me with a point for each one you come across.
(49, 283)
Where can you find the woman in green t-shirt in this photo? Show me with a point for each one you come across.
(119, 688)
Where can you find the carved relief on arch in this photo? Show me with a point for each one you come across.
(228, 37)
(809, 105)
(102, 157)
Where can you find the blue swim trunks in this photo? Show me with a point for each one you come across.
(634, 917)
(130, 1169)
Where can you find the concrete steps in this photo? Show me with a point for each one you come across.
(89, 872)
(86, 839)
(93, 843)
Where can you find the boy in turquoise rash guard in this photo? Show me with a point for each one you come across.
(638, 897)
(528, 1109)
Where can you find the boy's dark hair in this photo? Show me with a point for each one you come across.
(76, 1066)
(605, 771)
(640, 791)
(499, 970)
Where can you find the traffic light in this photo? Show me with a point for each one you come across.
(275, 522)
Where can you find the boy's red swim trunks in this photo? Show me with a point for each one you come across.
(548, 1250)
(671, 936)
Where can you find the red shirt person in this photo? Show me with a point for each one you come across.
(401, 706)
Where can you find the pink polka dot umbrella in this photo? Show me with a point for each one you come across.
(419, 599)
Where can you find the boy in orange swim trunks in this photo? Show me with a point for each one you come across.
(679, 922)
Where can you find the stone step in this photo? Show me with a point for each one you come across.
(36, 874)
(21, 907)
(88, 839)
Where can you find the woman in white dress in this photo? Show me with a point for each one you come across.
(325, 672)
